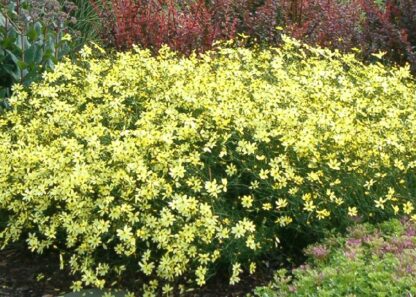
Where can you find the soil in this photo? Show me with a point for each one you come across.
(20, 270)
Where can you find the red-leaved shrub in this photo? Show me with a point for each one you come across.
(359, 24)
(188, 25)
(151, 23)
(257, 19)
(324, 22)
(391, 30)
(185, 25)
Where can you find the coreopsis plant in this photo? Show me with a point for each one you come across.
(162, 167)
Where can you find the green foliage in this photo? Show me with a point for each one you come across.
(368, 262)
(87, 25)
(163, 168)
(32, 40)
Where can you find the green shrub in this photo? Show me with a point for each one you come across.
(368, 262)
(166, 168)
(33, 38)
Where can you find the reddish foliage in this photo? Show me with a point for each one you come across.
(356, 23)
(389, 31)
(185, 25)
(325, 22)
(257, 19)
(151, 23)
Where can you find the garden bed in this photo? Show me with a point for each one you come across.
(19, 270)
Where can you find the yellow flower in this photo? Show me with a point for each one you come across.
(323, 213)
(264, 174)
(86, 51)
(334, 164)
(242, 227)
(67, 37)
(203, 258)
(266, 206)
(200, 274)
(307, 197)
(236, 271)
(260, 158)
(167, 289)
(177, 171)
(281, 203)
(339, 201)
(331, 195)
(231, 170)
(250, 243)
(380, 203)
(284, 221)
(335, 182)
(213, 188)
(408, 207)
(352, 211)
(369, 184)
(247, 201)
(254, 185)
(309, 206)
(315, 176)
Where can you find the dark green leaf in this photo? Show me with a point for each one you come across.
(13, 57)
(31, 54)
(14, 72)
(38, 28)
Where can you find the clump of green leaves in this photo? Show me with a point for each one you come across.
(33, 38)
(86, 27)
(369, 261)
(164, 168)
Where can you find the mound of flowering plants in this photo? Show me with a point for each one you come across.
(163, 169)
(368, 262)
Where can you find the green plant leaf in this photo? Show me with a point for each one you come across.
(14, 58)
(2, 20)
(38, 28)
(14, 72)
(31, 54)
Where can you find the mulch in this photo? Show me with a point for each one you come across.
(20, 269)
